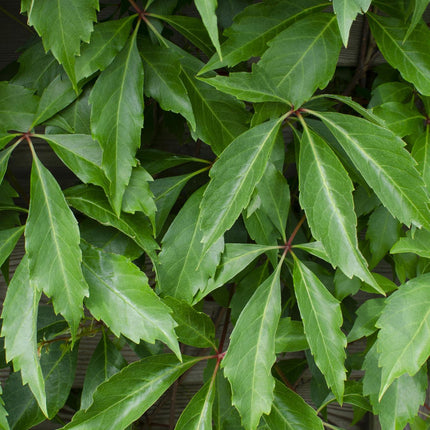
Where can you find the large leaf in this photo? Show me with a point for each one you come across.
(411, 57)
(233, 178)
(322, 319)
(251, 353)
(20, 333)
(206, 10)
(52, 245)
(404, 338)
(179, 273)
(8, 240)
(255, 26)
(105, 362)
(385, 165)
(117, 117)
(326, 197)
(107, 39)
(92, 202)
(291, 412)
(62, 26)
(346, 12)
(119, 288)
(128, 394)
(419, 8)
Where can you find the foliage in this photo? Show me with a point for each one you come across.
(285, 199)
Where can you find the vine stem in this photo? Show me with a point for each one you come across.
(293, 234)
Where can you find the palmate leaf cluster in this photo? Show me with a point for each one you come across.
(281, 206)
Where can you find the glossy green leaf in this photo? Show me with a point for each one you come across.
(383, 231)
(326, 197)
(5, 138)
(401, 401)
(322, 319)
(117, 117)
(3, 414)
(251, 353)
(198, 413)
(411, 57)
(290, 336)
(206, 10)
(291, 412)
(255, 26)
(416, 242)
(92, 202)
(233, 178)
(118, 287)
(303, 57)
(81, 154)
(105, 362)
(18, 107)
(4, 159)
(62, 26)
(52, 245)
(344, 286)
(194, 328)
(399, 92)
(107, 39)
(8, 241)
(367, 316)
(20, 333)
(421, 153)
(163, 82)
(419, 8)
(378, 153)
(140, 384)
(315, 248)
(179, 273)
(404, 338)
(56, 96)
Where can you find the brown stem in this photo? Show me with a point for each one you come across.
(173, 405)
(283, 377)
(293, 234)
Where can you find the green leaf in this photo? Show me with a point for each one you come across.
(251, 352)
(367, 316)
(220, 118)
(326, 197)
(163, 82)
(255, 26)
(92, 202)
(410, 57)
(383, 231)
(421, 153)
(118, 287)
(322, 319)
(18, 107)
(233, 178)
(315, 248)
(4, 159)
(291, 412)
(206, 10)
(3, 414)
(20, 333)
(401, 401)
(377, 153)
(399, 92)
(81, 154)
(404, 338)
(179, 273)
(52, 245)
(346, 12)
(8, 240)
(124, 397)
(107, 39)
(194, 328)
(303, 57)
(62, 26)
(198, 413)
(105, 362)
(56, 96)
(290, 336)
(117, 117)
(419, 8)
(416, 242)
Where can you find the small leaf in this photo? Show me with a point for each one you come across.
(290, 411)
(206, 10)
(105, 362)
(4, 425)
(20, 333)
(118, 287)
(409, 56)
(52, 245)
(404, 338)
(419, 8)
(418, 243)
(4, 159)
(8, 240)
(251, 353)
(198, 413)
(290, 336)
(399, 92)
(421, 153)
(315, 248)
(233, 178)
(322, 319)
(194, 328)
(346, 12)
(117, 117)
(140, 384)
(367, 316)
(92, 202)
